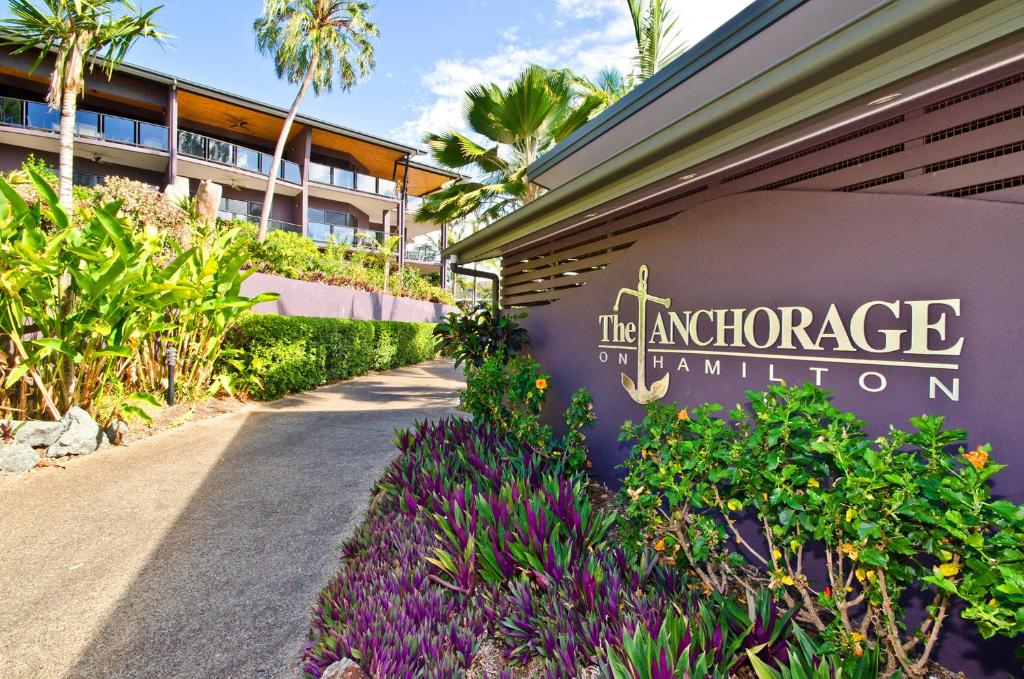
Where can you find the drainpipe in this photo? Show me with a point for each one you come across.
(444, 260)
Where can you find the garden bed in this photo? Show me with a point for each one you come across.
(778, 540)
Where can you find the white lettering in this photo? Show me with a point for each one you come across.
(712, 368)
(858, 328)
(736, 327)
(921, 328)
(623, 359)
(952, 394)
(683, 365)
(882, 383)
(749, 328)
(798, 329)
(833, 328)
(817, 374)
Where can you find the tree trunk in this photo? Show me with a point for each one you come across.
(268, 197)
(68, 107)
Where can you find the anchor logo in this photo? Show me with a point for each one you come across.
(638, 391)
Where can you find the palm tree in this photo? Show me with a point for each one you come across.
(520, 122)
(382, 252)
(318, 43)
(657, 38)
(76, 32)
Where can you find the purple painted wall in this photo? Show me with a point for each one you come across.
(815, 249)
(302, 298)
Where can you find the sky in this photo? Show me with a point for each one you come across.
(428, 54)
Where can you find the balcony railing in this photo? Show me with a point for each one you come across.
(37, 116)
(347, 179)
(272, 225)
(225, 153)
(426, 254)
(324, 234)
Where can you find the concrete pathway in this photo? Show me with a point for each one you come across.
(199, 552)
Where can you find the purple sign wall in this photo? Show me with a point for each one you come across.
(900, 305)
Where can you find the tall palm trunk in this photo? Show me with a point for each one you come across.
(275, 165)
(68, 108)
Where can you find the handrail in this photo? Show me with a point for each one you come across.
(196, 145)
(36, 115)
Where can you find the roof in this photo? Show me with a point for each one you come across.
(775, 65)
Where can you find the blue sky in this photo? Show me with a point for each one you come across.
(428, 54)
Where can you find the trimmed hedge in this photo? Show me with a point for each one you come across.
(285, 354)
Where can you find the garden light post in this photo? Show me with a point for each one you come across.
(171, 356)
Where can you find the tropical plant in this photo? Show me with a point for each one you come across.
(472, 337)
(382, 252)
(657, 39)
(77, 33)
(805, 661)
(82, 305)
(907, 516)
(314, 43)
(534, 112)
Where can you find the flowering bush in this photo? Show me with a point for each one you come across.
(906, 514)
(473, 337)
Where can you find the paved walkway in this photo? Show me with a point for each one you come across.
(198, 552)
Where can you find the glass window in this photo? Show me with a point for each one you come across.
(316, 214)
(265, 163)
(153, 136)
(255, 208)
(319, 173)
(339, 218)
(344, 178)
(319, 231)
(386, 187)
(247, 159)
(42, 117)
(366, 183)
(192, 144)
(290, 172)
(218, 151)
(87, 123)
(10, 111)
(119, 129)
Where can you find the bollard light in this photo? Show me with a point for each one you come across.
(171, 357)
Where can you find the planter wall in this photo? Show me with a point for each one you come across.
(302, 298)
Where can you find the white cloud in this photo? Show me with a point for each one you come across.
(587, 52)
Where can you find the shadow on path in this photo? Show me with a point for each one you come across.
(227, 591)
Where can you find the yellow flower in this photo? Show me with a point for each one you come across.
(850, 550)
(659, 546)
(682, 415)
(860, 574)
(735, 505)
(857, 636)
(949, 569)
(786, 580)
(813, 483)
(541, 383)
(794, 545)
(992, 602)
(850, 514)
(776, 554)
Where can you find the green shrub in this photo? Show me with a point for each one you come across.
(475, 336)
(286, 253)
(279, 355)
(908, 515)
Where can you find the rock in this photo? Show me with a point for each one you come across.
(17, 458)
(208, 200)
(80, 435)
(117, 432)
(343, 669)
(37, 433)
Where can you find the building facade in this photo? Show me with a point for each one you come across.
(334, 184)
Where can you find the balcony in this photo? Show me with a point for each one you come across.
(354, 181)
(201, 147)
(346, 236)
(422, 254)
(272, 225)
(89, 124)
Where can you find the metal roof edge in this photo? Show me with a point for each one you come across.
(749, 22)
